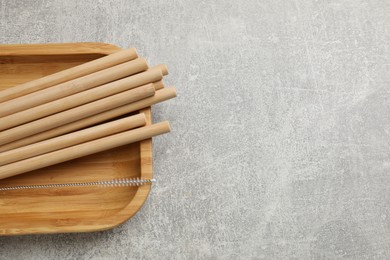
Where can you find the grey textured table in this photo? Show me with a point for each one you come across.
(281, 132)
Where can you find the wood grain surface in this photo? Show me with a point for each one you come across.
(70, 209)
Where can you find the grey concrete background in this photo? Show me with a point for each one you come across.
(281, 132)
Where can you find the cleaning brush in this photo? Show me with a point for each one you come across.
(123, 182)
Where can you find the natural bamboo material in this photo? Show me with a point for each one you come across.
(70, 209)
(76, 113)
(158, 85)
(80, 98)
(72, 139)
(84, 149)
(163, 68)
(160, 96)
(73, 86)
(69, 74)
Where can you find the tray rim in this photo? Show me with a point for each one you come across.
(146, 156)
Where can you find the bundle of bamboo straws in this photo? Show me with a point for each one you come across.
(64, 116)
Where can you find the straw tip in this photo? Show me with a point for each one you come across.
(150, 88)
(143, 61)
(174, 92)
(132, 52)
(141, 116)
(167, 126)
(158, 85)
(163, 68)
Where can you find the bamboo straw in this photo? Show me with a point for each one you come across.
(72, 86)
(84, 149)
(72, 139)
(160, 96)
(163, 68)
(76, 113)
(158, 85)
(80, 98)
(69, 74)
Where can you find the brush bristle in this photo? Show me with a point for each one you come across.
(123, 182)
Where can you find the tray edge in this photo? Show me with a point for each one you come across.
(145, 146)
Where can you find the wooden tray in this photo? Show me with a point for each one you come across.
(69, 209)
